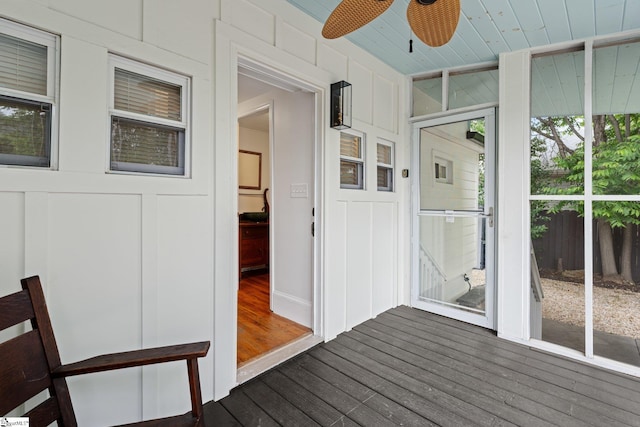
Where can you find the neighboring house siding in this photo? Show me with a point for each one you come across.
(443, 244)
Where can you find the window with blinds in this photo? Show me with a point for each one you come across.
(27, 95)
(351, 160)
(148, 119)
(385, 165)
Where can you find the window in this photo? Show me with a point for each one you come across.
(351, 160)
(443, 170)
(453, 89)
(28, 95)
(149, 119)
(585, 193)
(385, 165)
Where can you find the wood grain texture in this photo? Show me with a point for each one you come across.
(259, 329)
(408, 367)
(130, 359)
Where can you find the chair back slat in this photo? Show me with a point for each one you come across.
(45, 413)
(15, 309)
(24, 371)
(41, 320)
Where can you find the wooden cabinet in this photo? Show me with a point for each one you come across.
(254, 245)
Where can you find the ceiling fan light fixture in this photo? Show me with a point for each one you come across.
(426, 2)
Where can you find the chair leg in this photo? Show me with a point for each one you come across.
(194, 386)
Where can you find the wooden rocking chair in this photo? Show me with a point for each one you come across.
(30, 364)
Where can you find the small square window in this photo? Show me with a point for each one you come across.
(28, 95)
(149, 131)
(351, 160)
(385, 165)
(443, 170)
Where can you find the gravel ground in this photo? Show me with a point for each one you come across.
(614, 311)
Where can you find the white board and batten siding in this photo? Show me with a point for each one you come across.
(131, 261)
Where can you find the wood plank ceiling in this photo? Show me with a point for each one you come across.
(486, 28)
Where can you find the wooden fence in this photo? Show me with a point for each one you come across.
(563, 243)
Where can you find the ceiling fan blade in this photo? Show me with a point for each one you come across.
(434, 23)
(350, 15)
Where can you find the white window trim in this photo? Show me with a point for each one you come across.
(388, 166)
(358, 160)
(52, 42)
(122, 63)
(444, 159)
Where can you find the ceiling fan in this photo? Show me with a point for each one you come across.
(432, 21)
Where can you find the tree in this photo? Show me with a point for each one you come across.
(22, 129)
(539, 181)
(616, 171)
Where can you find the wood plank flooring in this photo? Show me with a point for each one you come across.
(259, 329)
(409, 367)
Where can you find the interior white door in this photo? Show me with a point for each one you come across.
(453, 217)
(292, 208)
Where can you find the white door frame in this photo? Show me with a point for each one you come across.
(489, 114)
(232, 46)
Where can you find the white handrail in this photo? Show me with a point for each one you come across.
(536, 284)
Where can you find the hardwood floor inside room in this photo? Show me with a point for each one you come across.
(259, 329)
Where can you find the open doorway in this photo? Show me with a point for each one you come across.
(276, 195)
(260, 330)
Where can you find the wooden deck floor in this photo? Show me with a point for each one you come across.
(408, 367)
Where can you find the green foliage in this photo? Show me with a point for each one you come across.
(539, 181)
(616, 171)
(478, 126)
(23, 129)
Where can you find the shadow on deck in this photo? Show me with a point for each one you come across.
(409, 367)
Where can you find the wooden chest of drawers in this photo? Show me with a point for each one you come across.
(253, 245)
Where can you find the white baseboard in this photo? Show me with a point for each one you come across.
(293, 308)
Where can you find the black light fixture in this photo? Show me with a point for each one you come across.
(341, 105)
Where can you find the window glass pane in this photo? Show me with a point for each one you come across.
(616, 300)
(350, 145)
(427, 96)
(616, 82)
(558, 249)
(141, 94)
(473, 88)
(384, 154)
(385, 182)
(140, 143)
(23, 65)
(350, 174)
(451, 168)
(451, 262)
(557, 124)
(616, 120)
(24, 132)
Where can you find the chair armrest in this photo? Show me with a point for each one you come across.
(130, 359)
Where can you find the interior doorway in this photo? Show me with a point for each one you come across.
(276, 200)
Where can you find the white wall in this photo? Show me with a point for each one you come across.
(125, 260)
(513, 155)
(136, 261)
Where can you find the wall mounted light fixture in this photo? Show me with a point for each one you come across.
(341, 105)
